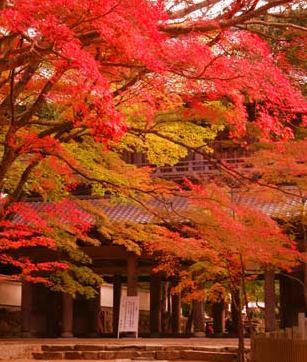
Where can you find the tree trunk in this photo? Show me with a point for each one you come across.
(235, 296)
(241, 352)
(238, 322)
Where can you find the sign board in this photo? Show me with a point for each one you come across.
(129, 315)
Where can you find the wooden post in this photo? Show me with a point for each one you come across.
(117, 287)
(67, 316)
(291, 298)
(165, 308)
(288, 332)
(176, 313)
(176, 309)
(132, 277)
(164, 311)
(302, 330)
(132, 281)
(198, 318)
(155, 304)
(270, 300)
(26, 309)
(93, 315)
(218, 312)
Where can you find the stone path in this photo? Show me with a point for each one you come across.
(110, 348)
(206, 342)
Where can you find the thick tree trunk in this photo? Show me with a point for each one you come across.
(235, 296)
(5, 164)
(270, 300)
(237, 321)
(241, 352)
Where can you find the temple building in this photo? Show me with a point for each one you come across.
(44, 313)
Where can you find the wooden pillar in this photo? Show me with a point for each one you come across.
(176, 313)
(53, 306)
(218, 313)
(198, 318)
(291, 298)
(155, 304)
(305, 274)
(26, 309)
(164, 310)
(93, 315)
(117, 287)
(269, 300)
(67, 316)
(283, 300)
(132, 277)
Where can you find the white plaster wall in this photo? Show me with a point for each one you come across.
(10, 294)
(144, 300)
(106, 295)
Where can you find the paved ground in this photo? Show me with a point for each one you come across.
(12, 349)
(206, 342)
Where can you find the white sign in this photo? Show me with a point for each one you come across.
(129, 315)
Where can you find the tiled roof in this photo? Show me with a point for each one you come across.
(138, 214)
(117, 212)
(154, 210)
(290, 206)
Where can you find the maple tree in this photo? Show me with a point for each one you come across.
(225, 244)
(284, 172)
(82, 81)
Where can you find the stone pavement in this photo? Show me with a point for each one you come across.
(199, 341)
(23, 349)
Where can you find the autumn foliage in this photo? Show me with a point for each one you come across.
(83, 81)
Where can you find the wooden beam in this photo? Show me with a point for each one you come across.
(132, 275)
(110, 270)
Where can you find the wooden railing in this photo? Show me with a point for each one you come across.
(288, 345)
(197, 168)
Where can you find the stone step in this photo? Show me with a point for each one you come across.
(131, 347)
(136, 354)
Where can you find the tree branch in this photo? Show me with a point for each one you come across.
(19, 86)
(276, 24)
(202, 27)
(35, 106)
(179, 14)
(24, 178)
